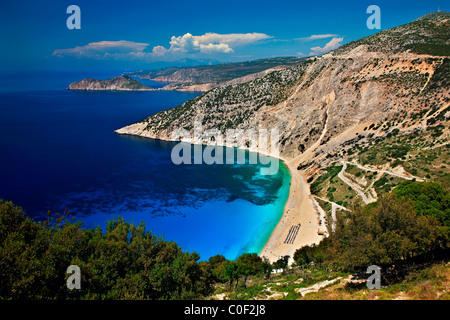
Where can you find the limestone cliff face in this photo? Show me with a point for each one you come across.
(326, 105)
(117, 83)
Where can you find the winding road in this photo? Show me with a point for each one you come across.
(360, 193)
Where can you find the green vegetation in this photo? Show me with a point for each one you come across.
(161, 120)
(401, 227)
(281, 285)
(132, 83)
(440, 78)
(125, 262)
(422, 153)
(406, 233)
(429, 199)
(331, 172)
(428, 281)
(118, 83)
(239, 102)
(388, 150)
(328, 185)
(405, 227)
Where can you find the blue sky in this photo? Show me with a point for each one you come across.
(133, 35)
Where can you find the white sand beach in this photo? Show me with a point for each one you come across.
(299, 209)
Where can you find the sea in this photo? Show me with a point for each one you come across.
(59, 153)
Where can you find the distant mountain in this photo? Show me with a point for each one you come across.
(198, 78)
(215, 74)
(118, 83)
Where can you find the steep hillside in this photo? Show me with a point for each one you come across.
(325, 103)
(429, 34)
(239, 103)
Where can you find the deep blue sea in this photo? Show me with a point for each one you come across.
(59, 150)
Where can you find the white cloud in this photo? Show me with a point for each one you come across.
(333, 44)
(180, 47)
(317, 37)
(103, 49)
(213, 42)
(215, 48)
(184, 43)
(159, 51)
(232, 39)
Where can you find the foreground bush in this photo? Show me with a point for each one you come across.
(125, 262)
(401, 226)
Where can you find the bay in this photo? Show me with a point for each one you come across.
(59, 152)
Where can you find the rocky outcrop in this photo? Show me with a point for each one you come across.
(118, 83)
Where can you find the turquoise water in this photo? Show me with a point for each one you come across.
(217, 226)
(59, 151)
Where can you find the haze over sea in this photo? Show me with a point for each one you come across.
(59, 150)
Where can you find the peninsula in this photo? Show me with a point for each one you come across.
(123, 82)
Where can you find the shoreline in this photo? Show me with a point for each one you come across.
(298, 210)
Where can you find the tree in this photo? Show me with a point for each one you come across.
(303, 256)
(231, 272)
(382, 233)
(282, 263)
(267, 267)
(249, 264)
(429, 198)
(125, 262)
(217, 265)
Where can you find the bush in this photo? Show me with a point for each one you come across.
(125, 262)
